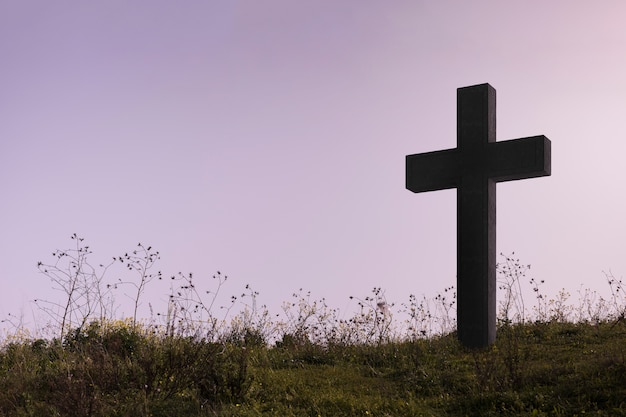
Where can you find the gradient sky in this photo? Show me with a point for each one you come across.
(266, 139)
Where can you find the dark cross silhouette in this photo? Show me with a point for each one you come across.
(473, 168)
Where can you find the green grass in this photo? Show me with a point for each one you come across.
(551, 360)
(541, 369)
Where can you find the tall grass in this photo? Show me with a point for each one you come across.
(198, 358)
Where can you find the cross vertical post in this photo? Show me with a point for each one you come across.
(473, 168)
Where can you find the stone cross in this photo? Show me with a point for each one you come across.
(473, 168)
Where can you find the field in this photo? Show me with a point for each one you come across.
(539, 369)
(553, 359)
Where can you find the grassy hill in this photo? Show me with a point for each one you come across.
(116, 369)
(384, 360)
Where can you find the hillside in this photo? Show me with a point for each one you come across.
(539, 369)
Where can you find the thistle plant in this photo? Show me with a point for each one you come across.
(140, 261)
(85, 295)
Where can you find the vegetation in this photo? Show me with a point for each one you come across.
(555, 360)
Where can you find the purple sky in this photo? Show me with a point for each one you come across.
(267, 139)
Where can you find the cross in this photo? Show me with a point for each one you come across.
(473, 168)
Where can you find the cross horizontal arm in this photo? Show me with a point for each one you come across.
(519, 158)
(433, 171)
